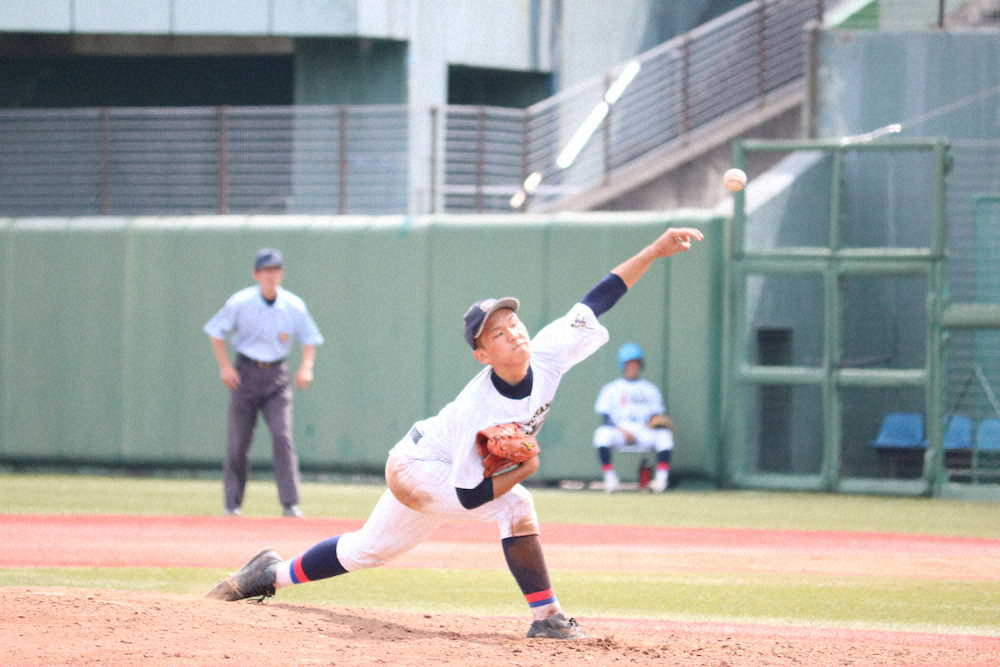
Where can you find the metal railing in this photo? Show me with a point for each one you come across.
(318, 159)
(910, 15)
(357, 159)
(724, 67)
(486, 151)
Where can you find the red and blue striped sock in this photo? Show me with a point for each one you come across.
(543, 604)
(540, 598)
(319, 562)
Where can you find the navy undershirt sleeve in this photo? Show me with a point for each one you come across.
(473, 498)
(605, 294)
(606, 420)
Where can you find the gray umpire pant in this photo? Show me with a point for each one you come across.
(263, 388)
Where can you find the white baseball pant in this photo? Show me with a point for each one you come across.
(648, 439)
(419, 499)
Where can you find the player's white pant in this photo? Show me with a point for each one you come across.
(394, 528)
(649, 439)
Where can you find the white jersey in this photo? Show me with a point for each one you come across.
(450, 435)
(629, 401)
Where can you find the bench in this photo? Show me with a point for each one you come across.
(902, 441)
(984, 464)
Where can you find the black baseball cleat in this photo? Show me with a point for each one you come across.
(254, 580)
(557, 626)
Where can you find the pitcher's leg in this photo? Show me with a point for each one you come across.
(522, 549)
(391, 530)
(526, 563)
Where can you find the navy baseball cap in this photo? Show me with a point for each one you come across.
(480, 311)
(268, 257)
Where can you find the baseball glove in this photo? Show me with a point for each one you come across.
(660, 421)
(503, 447)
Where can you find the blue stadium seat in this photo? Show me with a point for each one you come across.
(958, 432)
(901, 429)
(988, 435)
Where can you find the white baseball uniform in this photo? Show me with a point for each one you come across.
(629, 404)
(440, 453)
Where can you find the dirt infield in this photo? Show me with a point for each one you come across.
(78, 626)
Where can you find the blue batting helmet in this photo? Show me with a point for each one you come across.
(629, 352)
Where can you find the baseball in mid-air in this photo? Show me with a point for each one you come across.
(734, 179)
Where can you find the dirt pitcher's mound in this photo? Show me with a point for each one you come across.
(49, 626)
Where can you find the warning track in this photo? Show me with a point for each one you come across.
(68, 540)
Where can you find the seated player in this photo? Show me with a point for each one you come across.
(633, 419)
(436, 472)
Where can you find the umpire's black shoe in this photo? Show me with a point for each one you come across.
(557, 626)
(255, 579)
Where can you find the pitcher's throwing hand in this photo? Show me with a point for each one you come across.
(676, 240)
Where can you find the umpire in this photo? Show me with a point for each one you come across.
(262, 320)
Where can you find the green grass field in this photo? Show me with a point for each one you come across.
(939, 604)
(57, 494)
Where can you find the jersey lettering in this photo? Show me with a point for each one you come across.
(451, 434)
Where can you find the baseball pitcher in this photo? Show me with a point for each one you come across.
(468, 460)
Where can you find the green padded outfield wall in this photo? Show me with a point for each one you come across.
(104, 361)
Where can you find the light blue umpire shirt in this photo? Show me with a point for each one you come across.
(260, 331)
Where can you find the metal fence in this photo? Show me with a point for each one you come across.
(486, 157)
(356, 159)
(893, 380)
(317, 159)
(973, 353)
(973, 236)
(911, 15)
(497, 159)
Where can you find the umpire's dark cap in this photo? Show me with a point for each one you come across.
(268, 257)
(480, 311)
